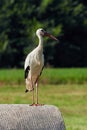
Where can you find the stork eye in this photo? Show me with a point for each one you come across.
(42, 30)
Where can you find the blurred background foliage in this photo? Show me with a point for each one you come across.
(66, 19)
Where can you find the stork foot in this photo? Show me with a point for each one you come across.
(39, 104)
(36, 104)
(33, 104)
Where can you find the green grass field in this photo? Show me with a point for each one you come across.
(49, 76)
(64, 88)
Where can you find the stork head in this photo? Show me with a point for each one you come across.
(42, 32)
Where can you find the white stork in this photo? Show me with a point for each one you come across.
(34, 63)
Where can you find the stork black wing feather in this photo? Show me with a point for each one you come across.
(27, 71)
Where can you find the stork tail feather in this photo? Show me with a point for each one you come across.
(26, 90)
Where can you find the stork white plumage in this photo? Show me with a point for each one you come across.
(34, 63)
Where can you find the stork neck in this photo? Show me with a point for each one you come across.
(40, 43)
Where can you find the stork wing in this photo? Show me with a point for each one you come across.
(27, 66)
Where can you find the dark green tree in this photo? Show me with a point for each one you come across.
(66, 19)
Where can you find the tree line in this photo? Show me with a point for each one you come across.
(65, 19)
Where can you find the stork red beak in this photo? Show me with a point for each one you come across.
(51, 36)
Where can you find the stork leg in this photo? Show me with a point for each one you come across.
(37, 104)
(33, 102)
(33, 98)
(37, 92)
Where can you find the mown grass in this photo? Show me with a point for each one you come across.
(70, 99)
(70, 96)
